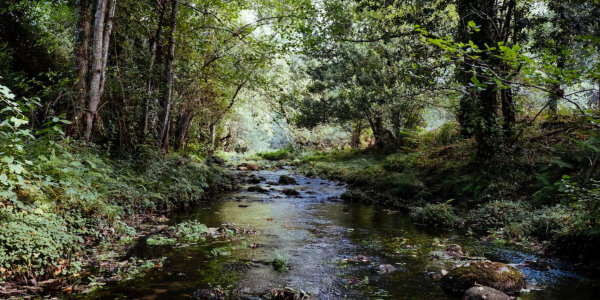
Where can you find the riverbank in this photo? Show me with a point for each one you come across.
(541, 195)
(68, 211)
(311, 245)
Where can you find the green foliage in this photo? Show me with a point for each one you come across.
(497, 214)
(284, 153)
(280, 263)
(398, 162)
(191, 231)
(56, 194)
(446, 134)
(36, 243)
(160, 240)
(441, 215)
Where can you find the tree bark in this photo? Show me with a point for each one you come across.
(168, 86)
(94, 99)
(106, 43)
(556, 88)
(82, 60)
(356, 133)
(508, 114)
(186, 116)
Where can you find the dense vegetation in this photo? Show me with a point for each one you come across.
(475, 114)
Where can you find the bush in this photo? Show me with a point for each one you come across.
(441, 214)
(497, 214)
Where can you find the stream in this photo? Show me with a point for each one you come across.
(318, 234)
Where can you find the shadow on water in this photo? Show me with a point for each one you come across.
(317, 234)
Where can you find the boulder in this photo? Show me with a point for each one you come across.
(455, 251)
(291, 192)
(284, 179)
(257, 189)
(480, 292)
(252, 167)
(254, 180)
(493, 274)
(248, 167)
(386, 269)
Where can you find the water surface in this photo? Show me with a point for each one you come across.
(318, 233)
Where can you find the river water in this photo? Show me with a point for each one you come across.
(317, 234)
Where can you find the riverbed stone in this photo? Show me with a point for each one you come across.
(257, 189)
(284, 179)
(480, 292)
(455, 251)
(493, 274)
(291, 192)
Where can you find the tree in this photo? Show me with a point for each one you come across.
(100, 48)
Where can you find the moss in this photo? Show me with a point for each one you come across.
(493, 274)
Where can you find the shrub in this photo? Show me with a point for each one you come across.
(497, 214)
(441, 214)
(280, 263)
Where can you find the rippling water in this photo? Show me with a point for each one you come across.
(317, 233)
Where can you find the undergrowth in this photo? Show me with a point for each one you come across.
(542, 188)
(59, 197)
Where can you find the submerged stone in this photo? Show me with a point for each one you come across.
(257, 189)
(484, 293)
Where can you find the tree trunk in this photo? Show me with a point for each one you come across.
(555, 95)
(106, 43)
(508, 114)
(212, 135)
(356, 133)
(378, 131)
(150, 80)
(168, 87)
(82, 45)
(479, 110)
(186, 116)
(94, 100)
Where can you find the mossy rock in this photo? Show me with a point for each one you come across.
(291, 192)
(257, 189)
(284, 179)
(484, 293)
(493, 274)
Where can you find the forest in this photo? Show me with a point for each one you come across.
(299, 149)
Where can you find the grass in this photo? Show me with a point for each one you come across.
(280, 154)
